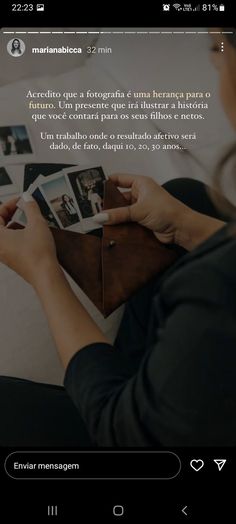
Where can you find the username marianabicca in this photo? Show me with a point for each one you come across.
(57, 50)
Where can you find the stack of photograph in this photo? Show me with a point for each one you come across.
(68, 199)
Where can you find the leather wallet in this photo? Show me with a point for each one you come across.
(111, 268)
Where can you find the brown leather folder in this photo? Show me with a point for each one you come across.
(111, 268)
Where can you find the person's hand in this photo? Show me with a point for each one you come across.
(148, 204)
(29, 251)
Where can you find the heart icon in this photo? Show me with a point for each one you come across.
(197, 464)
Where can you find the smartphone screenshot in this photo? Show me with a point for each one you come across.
(117, 263)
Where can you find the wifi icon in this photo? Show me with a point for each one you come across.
(177, 6)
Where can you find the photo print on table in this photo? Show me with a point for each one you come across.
(6, 184)
(14, 141)
(61, 201)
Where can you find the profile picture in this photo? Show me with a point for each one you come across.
(16, 47)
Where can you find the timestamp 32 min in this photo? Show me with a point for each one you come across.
(94, 50)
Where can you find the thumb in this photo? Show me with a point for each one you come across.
(114, 216)
(31, 208)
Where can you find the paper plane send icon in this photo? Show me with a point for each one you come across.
(220, 463)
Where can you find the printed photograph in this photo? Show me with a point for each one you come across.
(88, 187)
(45, 209)
(6, 184)
(59, 197)
(19, 217)
(14, 140)
(4, 177)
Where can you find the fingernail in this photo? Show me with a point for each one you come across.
(27, 197)
(101, 218)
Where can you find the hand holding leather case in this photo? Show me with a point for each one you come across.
(110, 269)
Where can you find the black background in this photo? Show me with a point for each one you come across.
(97, 14)
(207, 493)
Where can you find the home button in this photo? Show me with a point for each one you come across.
(118, 511)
